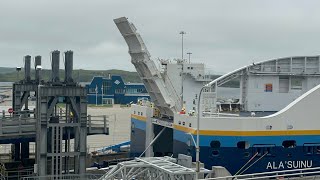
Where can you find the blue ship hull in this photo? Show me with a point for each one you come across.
(266, 152)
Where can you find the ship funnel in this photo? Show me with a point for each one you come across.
(55, 58)
(68, 64)
(37, 67)
(27, 68)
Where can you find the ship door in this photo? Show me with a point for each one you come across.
(164, 144)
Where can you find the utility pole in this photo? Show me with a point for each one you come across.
(182, 33)
(189, 53)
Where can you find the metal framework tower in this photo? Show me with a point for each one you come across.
(55, 126)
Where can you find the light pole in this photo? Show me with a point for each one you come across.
(96, 95)
(189, 53)
(198, 138)
(102, 94)
(182, 33)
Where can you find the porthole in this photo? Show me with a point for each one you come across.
(289, 144)
(243, 145)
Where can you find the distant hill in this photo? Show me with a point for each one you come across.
(80, 75)
(4, 70)
(10, 74)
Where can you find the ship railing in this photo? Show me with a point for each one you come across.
(284, 174)
(219, 114)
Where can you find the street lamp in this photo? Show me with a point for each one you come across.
(182, 33)
(189, 53)
(198, 138)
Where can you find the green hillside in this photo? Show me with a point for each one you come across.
(4, 70)
(79, 75)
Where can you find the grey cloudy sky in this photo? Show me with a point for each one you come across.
(222, 34)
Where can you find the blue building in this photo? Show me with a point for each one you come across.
(113, 90)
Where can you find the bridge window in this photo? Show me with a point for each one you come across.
(215, 144)
(289, 144)
(243, 144)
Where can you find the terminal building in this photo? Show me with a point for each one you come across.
(113, 90)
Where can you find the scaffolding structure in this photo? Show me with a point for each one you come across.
(162, 168)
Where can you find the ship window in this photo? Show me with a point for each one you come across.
(311, 148)
(138, 113)
(296, 83)
(215, 153)
(92, 90)
(191, 67)
(243, 145)
(180, 122)
(215, 144)
(134, 112)
(317, 150)
(189, 124)
(183, 123)
(141, 113)
(188, 67)
(289, 144)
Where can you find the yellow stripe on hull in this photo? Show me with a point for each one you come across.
(247, 133)
(140, 118)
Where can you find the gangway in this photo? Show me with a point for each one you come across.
(13, 129)
(152, 168)
(162, 94)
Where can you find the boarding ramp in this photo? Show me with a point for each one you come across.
(14, 129)
(162, 94)
(153, 168)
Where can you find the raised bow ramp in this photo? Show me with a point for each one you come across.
(162, 94)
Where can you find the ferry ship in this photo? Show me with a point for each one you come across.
(273, 123)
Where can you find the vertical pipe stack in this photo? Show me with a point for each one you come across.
(68, 66)
(55, 57)
(37, 65)
(27, 68)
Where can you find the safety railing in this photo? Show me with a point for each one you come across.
(12, 126)
(16, 174)
(64, 176)
(17, 125)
